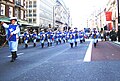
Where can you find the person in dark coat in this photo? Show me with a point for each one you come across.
(118, 35)
(113, 35)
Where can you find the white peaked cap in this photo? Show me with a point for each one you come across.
(13, 18)
(26, 30)
(42, 29)
(34, 30)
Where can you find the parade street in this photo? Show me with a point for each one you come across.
(62, 63)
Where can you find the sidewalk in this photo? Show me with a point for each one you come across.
(116, 42)
(106, 51)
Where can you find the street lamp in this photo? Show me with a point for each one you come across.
(53, 17)
(118, 22)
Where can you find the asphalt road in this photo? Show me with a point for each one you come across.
(60, 63)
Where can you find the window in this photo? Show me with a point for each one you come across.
(11, 0)
(22, 2)
(34, 20)
(2, 9)
(22, 14)
(30, 4)
(34, 11)
(10, 11)
(34, 4)
(30, 11)
(34, 15)
(30, 20)
(30, 15)
(16, 12)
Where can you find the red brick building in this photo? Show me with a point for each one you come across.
(11, 8)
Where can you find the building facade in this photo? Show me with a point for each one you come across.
(62, 16)
(11, 8)
(112, 7)
(47, 14)
(40, 13)
(106, 16)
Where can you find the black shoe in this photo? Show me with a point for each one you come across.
(95, 45)
(56, 42)
(48, 44)
(71, 45)
(26, 46)
(12, 60)
(75, 44)
(80, 41)
(34, 45)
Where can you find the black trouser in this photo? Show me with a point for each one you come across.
(71, 45)
(80, 41)
(75, 43)
(42, 44)
(60, 41)
(56, 42)
(34, 45)
(95, 45)
(48, 44)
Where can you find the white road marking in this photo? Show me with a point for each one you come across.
(17, 54)
(87, 57)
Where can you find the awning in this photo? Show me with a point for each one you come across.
(59, 22)
(24, 23)
(4, 19)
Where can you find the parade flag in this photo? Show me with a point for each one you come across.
(108, 16)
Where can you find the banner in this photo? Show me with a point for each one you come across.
(108, 16)
(110, 26)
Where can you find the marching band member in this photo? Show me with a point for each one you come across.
(94, 37)
(26, 38)
(76, 36)
(34, 38)
(49, 37)
(64, 36)
(81, 36)
(42, 38)
(56, 37)
(60, 36)
(71, 38)
(13, 31)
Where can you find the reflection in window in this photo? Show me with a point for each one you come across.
(30, 20)
(30, 15)
(30, 4)
(10, 11)
(34, 20)
(2, 9)
(34, 4)
(30, 11)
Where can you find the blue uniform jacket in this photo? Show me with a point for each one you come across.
(10, 30)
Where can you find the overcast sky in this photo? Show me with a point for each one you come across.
(82, 9)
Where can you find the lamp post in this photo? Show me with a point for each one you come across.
(53, 17)
(118, 21)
